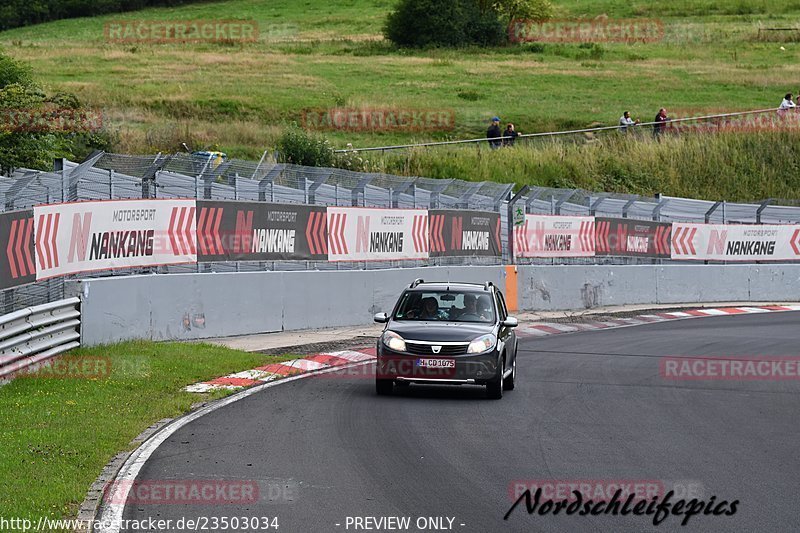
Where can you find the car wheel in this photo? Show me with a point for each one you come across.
(383, 386)
(494, 388)
(508, 383)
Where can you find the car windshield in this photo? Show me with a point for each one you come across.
(446, 306)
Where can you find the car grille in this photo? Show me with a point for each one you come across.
(425, 349)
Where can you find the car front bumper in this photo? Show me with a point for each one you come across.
(468, 369)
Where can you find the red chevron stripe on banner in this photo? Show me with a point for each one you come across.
(46, 246)
(322, 232)
(201, 237)
(310, 233)
(12, 238)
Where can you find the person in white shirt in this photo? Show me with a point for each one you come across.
(786, 104)
(625, 121)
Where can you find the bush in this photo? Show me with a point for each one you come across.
(36, 145)
(424, 23)
(12, 71)
(301, 148)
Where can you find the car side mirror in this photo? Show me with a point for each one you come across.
(381, 318)
(510, 322)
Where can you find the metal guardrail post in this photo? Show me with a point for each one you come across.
(761, 209)
(319, 181)
(151, 173)
(537, 192)
(210, 177)
(463, 200)
(506, 194)
(361, 188)
(657, 209)
(18, 186)
(711, 211)
(627, 206)
(269, 179)
(395, 192)
(594, 206)
(562, 200)
(436, 190)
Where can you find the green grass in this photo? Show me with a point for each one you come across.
(732, 167)
(57, 434)
(314, 54)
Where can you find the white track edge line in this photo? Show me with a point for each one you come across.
(113, 512)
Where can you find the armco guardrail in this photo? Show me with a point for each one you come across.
(33, 335)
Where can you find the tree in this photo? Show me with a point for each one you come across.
(422, 23)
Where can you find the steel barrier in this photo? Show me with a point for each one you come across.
(33, 335)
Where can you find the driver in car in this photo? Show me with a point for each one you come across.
(430, 309)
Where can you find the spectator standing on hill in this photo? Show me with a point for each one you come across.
(786, 105)
(510, 135)
(625, 121)
(494, 134)
(660, 123)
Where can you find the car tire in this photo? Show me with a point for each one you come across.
(384, 386)
(494, 388)
(508, 383)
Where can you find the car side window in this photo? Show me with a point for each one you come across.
(501, 306)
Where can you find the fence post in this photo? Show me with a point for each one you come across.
(761, 209)
(657, 209)
(111, 184)
(562, 200)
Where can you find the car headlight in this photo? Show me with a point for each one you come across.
(482, 344)
(394, 341)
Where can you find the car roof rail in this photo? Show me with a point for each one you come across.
(417, 282)
(487, 285)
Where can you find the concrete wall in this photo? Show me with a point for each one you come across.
(584, 287)
(196, 306)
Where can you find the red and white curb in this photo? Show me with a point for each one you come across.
(274, 371)
(321, 361)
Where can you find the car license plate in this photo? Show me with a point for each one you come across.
(436, 363)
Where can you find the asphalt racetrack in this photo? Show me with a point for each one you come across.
(589, 407)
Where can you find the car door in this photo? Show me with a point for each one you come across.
(506, 334)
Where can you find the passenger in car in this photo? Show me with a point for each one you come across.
(484, 306)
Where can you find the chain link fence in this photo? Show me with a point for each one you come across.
(105, 176)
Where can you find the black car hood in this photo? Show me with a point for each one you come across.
(412, 330)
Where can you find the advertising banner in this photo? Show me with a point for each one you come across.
(16, 239)
(251, 231)
(633, 238)
(729, 242)
(456, 233)
(555, 236)
(88, 236)
(367, 234)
